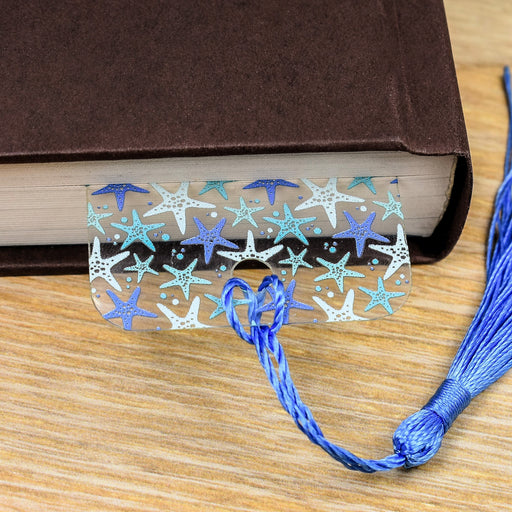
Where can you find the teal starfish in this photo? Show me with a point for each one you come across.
(365, 180)
(127, 310)
(290, 225)
(244, 213)
(141, 267)
(380, 296)
(360, 232)
(216, 185)
(337, 271)
(138, 231)
(93, 219)
(391, 207)
(296, 260)
(220, 308)
(184, 278)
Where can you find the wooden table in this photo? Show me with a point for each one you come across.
(94, 418)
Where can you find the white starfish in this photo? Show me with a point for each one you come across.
(250, 252)
(344, 314)
(327, 197)
(176, 203)
(102, 267)
(398, 251)
(189, 321)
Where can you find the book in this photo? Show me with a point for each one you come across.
(146, 92)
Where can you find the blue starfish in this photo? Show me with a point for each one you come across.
(289, 302)
(184, 278)
(216, 185)
(360, 232)
(127, 310)
(209, 238)
(296, 260)
(271, 185)
(366, 180)
(337, 271)
(220, 308)
(380, 296)
(138, 231)
(244, 213)
(120, 190)
(141, 267)
(290, 224)
(93, 219)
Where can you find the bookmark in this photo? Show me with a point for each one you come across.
(162, 253)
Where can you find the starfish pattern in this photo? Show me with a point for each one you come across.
(296, 260)
(220, 308)
(141, 267)
(327, 197)
(380, 296)
(189, 321)
(120, 190)
(366, 180)
(271, 186)
(398, 251)
(250, 252)
(344, 314)
(289, 302)
(184, 278)
(392, 207)
(177, 203)
(216, 185)
(138, 231)
(360, 232)
(337, 271)
(102, 267)
(244, 213)
(93, 219)
(127, 310)
(209, 238)
(290, 225)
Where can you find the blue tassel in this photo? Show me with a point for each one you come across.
(483, 357)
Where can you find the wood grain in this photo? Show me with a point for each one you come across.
(97, 419)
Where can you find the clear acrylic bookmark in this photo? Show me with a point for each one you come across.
(161, 253)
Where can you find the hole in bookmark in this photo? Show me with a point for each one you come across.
(161, 253)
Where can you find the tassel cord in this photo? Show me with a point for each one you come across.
(500, 234)
(492, 326)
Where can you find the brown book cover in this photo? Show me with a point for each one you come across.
(120, 80)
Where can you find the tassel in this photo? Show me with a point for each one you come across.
(483, 357)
